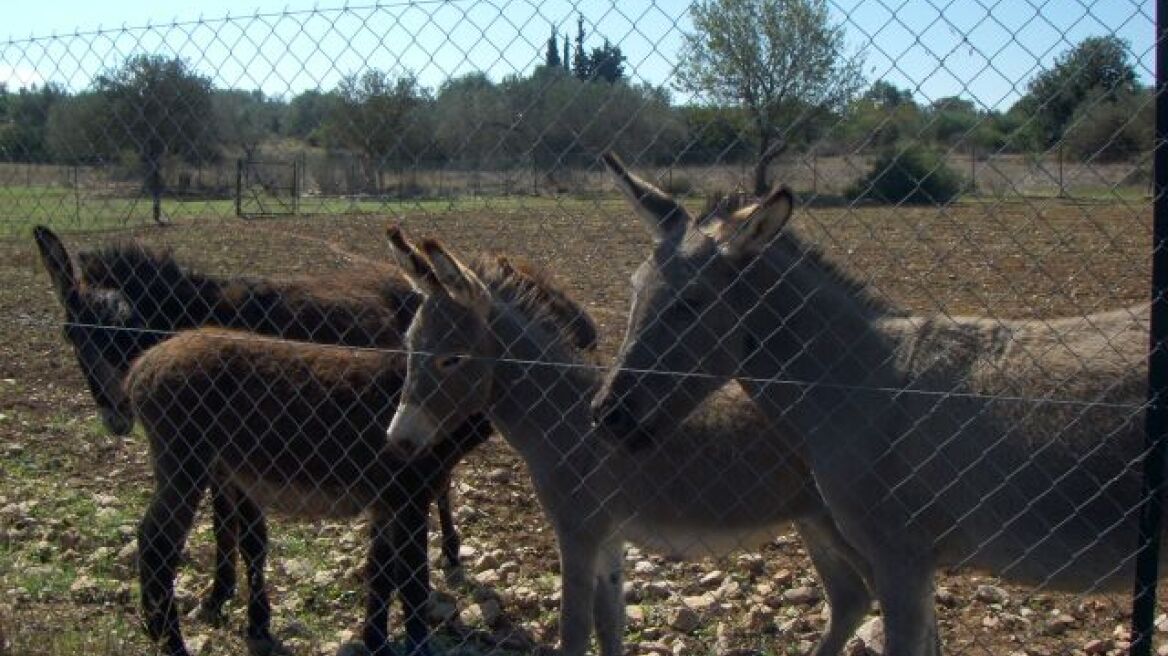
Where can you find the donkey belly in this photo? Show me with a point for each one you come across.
(301, 498)
(691, 542)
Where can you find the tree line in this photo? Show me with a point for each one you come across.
(747, 99)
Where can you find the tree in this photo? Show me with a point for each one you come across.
(872, 122)
(307, 114)
(472, 121)
(1111, 130)
(552, 57)
(245, 118)
(713, 134)
(603, 63)
(381, 116)
(887, 94)
(24, 123)
(781, 60)
(77, 130)
(558, 120)
(1098, 68)
(157, 107)
(953, 120)
(579, 57)
(606, 63)
(567, 59)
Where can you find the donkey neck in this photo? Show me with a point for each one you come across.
(812, 329)
(539, 383)
(712, 475)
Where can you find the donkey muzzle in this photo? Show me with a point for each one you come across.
(116, 422)
(412, 430)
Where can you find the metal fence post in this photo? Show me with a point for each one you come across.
(1156, 415)
(239, 187)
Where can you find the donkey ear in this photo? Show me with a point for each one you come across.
(750, 229)
(661, 214)
(459, 280)
(56, 261)
(415, 267)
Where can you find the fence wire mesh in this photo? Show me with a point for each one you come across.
(752, 326)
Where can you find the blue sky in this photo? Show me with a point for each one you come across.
(980, 49)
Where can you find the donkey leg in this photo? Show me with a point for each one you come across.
(608, 606)
(381, 580)
(253, 545)
(225, 528)
(451, 541)
(578, 558)
(161, 536)
(904, 587)
(843, 572)
(413, 572)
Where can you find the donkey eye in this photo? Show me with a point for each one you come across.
(447, 362)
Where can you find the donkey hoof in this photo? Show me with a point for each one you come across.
(208, 613)
(267, 646)
(353, 648)
(455, 576)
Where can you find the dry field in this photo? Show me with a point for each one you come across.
(70, 496)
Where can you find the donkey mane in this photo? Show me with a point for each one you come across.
(532, 290)
(720, 206)
(162, 289)
(155, 283)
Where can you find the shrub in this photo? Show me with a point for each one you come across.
(1111, 131)
(677, 185)
(913, 176)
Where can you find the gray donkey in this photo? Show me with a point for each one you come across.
(723, 481)
(1010, 446)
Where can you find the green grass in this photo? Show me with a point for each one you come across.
(64, 210)
(32, 632)
(21, 208)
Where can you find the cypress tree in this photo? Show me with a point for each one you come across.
(552, 58)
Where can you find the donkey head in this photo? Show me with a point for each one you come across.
(449, 343)
(103, 329)
(685, 331)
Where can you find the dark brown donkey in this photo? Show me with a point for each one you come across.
(292, 426)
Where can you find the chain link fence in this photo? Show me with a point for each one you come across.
(734, 326)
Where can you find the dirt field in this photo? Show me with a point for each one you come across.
(70, 496)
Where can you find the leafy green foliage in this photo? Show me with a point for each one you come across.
(383, 117)
(307, 113)
(158, 106)
(1108, 130)
(24, 122)
(552, 55)
(911, 176)
(1098, 67)
(244, 119)
(77, 130)
(781, 60)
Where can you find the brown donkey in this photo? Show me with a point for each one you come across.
(292, 426)
(301, 428)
